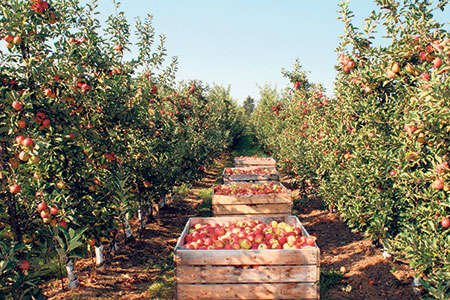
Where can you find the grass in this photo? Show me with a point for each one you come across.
(205, 208)
(163, 287)
(182, 190)
(328, 280)
(247, 145)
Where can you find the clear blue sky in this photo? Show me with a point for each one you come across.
(245, 43)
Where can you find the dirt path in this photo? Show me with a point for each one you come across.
(144, 269)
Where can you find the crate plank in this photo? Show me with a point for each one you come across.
(252, 199)
(304, 256)
(248, 291)
(246, 178)
(238, 163)
(281, 203)
(262, 274)
(247, 209)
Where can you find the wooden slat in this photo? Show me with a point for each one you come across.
(252, 199)
(248, 291)
(252, 209)
(239, 179)
(225, 181)
(250, 177)
(238, 163)
(262, 274)
(253, 215)
(304, 256)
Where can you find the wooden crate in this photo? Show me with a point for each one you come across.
(217, 274)
(246, 178)
(251, 205)
(254, 162)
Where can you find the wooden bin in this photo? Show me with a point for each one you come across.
(218, 274)
(251, 205)
(243, 162)
(246, 178)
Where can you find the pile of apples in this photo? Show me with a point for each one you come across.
(254, 158)
(249, 189)
(247, 171)
(247, 235)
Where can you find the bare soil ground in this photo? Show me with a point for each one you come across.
(143, 269)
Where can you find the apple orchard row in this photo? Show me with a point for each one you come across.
(90, 140)
(378, 151)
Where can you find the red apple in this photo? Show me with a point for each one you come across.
(311, 241)
(24, 264)
(21, 124)
(63, 224)
(54, 210)
(276, 246)
(282, 240)
(235, 245)
(16, 105)
(28, 142)
(445, 222)
(219, 244)
(291, 240)
(20, 139)
(23, 156)
(259, 238)
(42, 206)
(208, 242)
(188, 239)
(44, 214)
(192, 246)
(14, 189)
(438, 184)
(219, 231)
(255, 245)
(8, 38)
(268, 236)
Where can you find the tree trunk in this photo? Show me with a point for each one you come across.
(13, 219)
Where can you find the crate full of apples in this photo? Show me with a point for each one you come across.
(254, 161)
(265, 199)
(246, 258)
(250, 174)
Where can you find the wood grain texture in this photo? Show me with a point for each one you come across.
(252, 209)
(262, 274)
(304, 256)
(248, 291)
